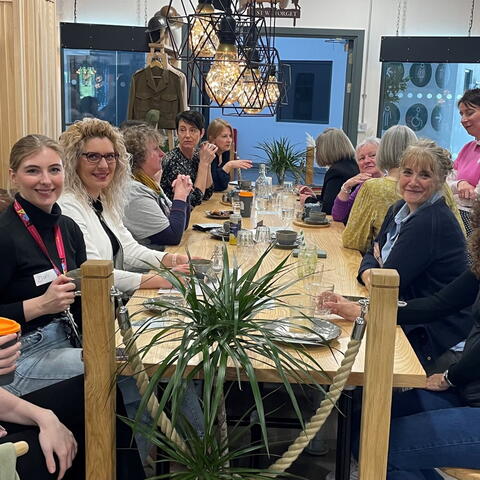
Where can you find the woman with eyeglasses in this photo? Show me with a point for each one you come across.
(97, 183)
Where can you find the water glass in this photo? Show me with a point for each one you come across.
(288, 187)
(323, 293)
(236, 204)
(307, 261)
(217, 261)
(245, 238)
(263, 237)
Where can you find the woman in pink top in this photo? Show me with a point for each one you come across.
(466, 174)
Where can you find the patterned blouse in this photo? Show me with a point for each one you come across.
(175, 163)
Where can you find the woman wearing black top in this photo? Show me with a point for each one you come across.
(438, 426)
(38, 245)
(333, 150)
(220, 133)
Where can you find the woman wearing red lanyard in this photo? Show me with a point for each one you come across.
(37, 246)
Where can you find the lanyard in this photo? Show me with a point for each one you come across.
(39, 241)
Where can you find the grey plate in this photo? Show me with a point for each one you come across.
(287, 247)
(312, 222)
(219, 233)
(209, 214)
(325, 332)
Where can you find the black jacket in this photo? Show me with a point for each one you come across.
(457, 295)
(22, 258)
(335, 177)
(428, 254)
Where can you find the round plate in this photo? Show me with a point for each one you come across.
(287, 247)
(299, 223)
(325, 332)
(218, 214)
(150, 303)
(323, 223)
(219, 234)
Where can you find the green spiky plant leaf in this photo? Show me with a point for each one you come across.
(283, 157)
(217, 334)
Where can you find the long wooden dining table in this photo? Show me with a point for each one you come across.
(385, 359)
(340, 268)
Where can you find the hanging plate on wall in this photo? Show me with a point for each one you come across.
(416, 117)
(420, 74)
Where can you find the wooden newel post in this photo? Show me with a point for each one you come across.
(99, 358)
(377, 392)
(309, 165)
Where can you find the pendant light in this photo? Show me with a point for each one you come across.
(223, 82)
(252, 97)
(203, 38)
(272, 93)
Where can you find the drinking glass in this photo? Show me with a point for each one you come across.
(288, 187)
(287, 210)
(236, 204)
(245, 246)
(307, 261)
(217, 261)
(263, 237)
(323, 293)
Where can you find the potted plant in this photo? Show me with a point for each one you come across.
(216, 335)
(283, 157)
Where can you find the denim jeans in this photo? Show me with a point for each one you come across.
(428, 430)
(47, 357)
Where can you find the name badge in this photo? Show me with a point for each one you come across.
(44, 277)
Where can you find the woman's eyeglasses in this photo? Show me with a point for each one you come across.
(93, 157)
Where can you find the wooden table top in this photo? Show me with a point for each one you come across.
(340, 267)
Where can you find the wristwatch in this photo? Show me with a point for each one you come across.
(445, 377)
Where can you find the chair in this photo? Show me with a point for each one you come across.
(462, 473)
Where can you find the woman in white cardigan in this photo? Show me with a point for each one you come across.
(97, 178)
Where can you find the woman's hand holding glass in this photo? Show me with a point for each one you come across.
(207, 152)
(338, 305)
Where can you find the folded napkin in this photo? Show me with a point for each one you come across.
(8, 461)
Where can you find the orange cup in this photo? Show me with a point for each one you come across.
(7, 327)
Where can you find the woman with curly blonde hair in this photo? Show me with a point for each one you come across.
(97, 180)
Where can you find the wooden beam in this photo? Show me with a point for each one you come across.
(377, 392)
(100, 369)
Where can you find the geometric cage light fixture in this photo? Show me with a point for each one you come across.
(229, 53)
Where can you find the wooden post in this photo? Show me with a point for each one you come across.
(99, 358)
(309, 174)
(377, 392)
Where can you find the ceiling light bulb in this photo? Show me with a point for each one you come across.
(203, 38)
(252, 98)
(273, 92)
(223, 83)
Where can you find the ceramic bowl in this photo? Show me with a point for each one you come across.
(286, 237)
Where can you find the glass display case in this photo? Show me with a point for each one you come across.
(96, 83)
(423, 92)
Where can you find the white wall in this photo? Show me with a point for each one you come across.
(418, 18)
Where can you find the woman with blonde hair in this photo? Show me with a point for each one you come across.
(378, 194)
(421, 239)
(150, 216)
(220, 133)
(334, 150)
(97, 183)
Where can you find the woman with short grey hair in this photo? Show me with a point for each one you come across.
(365, 154)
